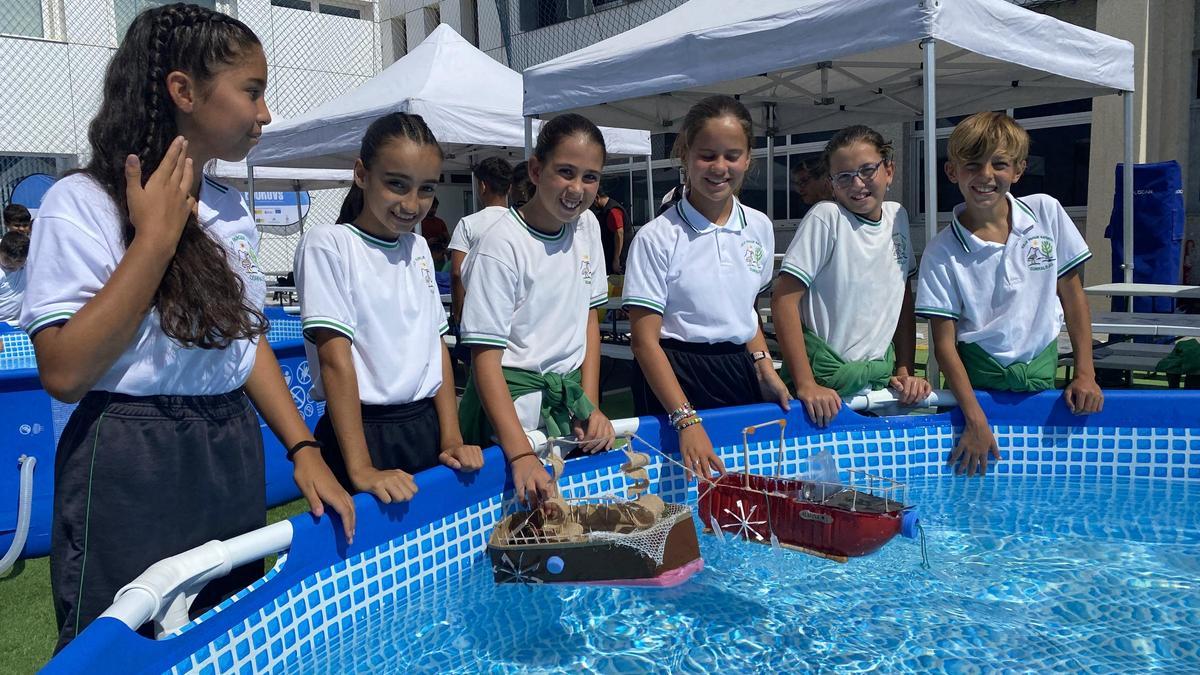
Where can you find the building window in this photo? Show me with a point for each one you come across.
(537, 14)
(1059, 152)
(125, 10)
(22, 17)
(348, 9)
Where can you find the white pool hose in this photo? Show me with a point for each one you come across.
(24, 506)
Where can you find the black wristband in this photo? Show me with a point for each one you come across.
(291, 453)
(523, 455)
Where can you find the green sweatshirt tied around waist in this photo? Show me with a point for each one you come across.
(562, 399)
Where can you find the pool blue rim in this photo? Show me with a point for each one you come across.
(318, 544)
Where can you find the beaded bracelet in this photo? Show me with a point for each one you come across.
(681, 413)
(687, 422)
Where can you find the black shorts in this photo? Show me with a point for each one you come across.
(141, 478)
(403, 436)
(711, 376)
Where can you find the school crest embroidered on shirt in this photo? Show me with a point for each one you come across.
(754, 255)
(246, 256)
(585, 269)
(426, 271)
(900, 250)
(1038, 252)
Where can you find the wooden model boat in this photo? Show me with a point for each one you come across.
(639, 542)
(829, 519)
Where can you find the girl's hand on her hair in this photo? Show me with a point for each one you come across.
(319, 487)
(160, 208)
(594, 435)
(391, 485)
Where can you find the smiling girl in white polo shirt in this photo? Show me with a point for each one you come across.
(144, 303)
(691, 281)
(997, 283)
(373, 322)
(843, 306)
(532, 283)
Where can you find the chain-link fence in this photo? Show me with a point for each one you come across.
(534, 31)
(53, 54)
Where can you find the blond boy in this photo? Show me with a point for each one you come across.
(997, 283)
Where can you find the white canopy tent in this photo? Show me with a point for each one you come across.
(812, 65)
(280, 179)
(470, 101)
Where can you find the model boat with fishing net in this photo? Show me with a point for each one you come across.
(819, 514)
(642, 541)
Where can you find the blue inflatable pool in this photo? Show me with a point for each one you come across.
(32, 423)
(1047, 563)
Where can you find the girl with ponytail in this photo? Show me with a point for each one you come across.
(373, 322)
(144, 304)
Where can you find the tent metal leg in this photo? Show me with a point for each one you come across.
(931, 160)
(528, 137)
(649, 192)
(1127, 194)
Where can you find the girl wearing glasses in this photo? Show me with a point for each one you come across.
(691, 280)
(843, 305)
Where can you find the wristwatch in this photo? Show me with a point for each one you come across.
(759, 356)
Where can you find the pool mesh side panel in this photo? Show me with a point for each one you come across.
(319, 608)
(18, 353)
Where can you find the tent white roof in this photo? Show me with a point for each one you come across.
(470, 101)
(825, 64)
(280, 179)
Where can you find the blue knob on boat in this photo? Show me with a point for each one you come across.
(909, 523)
(554, 564)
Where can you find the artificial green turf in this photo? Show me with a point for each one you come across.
(27, 626)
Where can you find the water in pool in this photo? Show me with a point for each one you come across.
(1027, 574)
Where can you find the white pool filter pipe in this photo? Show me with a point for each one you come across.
(886, 398)
(165, 591)
(24, 506)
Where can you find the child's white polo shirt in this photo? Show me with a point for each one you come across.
(472, 227)
(383, 296)
(702, 278)
(76, 247)
(856, 271)
(12, 290)
(531, 292)
(1004, 297)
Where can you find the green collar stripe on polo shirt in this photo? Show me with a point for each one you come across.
(868, 221)
(644, 302)
(1075, 262)
(958, 232)
(215, 185)
(376, 241)
(738, 211)
(538, 234)
(796, 272)
(1025, 208)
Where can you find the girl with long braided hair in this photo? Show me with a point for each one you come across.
(144, 304)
